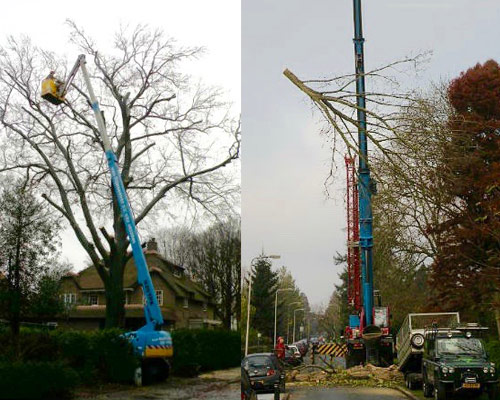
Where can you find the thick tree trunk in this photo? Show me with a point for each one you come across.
(15, 321)
(115, 298)
(497, 312)
(227, 298)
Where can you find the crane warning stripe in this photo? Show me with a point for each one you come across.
(332, 349)
(158, 351)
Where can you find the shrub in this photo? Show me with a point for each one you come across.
(36, 380)
(116, 360)
(97, 355)
(102, 356)
(493, 349)
(204, 350)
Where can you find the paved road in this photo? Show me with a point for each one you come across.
(313, 393)
(217, 385)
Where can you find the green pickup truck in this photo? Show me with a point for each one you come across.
(455, 362)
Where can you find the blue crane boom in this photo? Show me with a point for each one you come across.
(364, 181)
(152, 311)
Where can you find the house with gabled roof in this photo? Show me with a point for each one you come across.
(184, 304)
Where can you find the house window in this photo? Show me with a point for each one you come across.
(185, 302)
(93, 300)
(69, 298)
(205, 306)
(159, 297)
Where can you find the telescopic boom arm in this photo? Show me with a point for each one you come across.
(152, 312)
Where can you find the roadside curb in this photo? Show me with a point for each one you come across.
(406, 393)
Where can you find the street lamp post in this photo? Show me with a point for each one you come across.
(294, 311)
(288, 320)
(276, 310)
(274, 256)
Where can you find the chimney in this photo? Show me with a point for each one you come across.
(152, 246)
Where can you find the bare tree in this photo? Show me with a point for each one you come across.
(406, 130)
(212, 258)
(172, 138)
(415, 155)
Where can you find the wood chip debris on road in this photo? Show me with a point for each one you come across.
(368, 375)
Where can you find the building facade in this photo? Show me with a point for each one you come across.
(183, 303)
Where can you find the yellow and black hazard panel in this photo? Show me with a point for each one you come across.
(158, 351)
(332, 349)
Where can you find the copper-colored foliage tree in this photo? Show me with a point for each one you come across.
(466, 271)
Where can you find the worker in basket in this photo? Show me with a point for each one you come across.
(52, 88)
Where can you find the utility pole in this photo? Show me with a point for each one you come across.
(294, 311)
(364, 182)
(276, 310)
(248, 312)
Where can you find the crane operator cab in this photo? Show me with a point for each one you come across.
(52, 88)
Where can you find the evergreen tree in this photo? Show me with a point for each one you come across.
(264, 285)
(28, 234)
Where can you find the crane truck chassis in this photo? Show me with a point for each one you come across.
(153, 345)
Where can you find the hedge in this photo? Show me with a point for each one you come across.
(50, 363)
(36, 380)
(96, 356)
(204, 350)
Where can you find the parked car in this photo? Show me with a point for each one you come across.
(265, 372)
(302, 346)
(292, 358)
(247, 392)
(295, 350)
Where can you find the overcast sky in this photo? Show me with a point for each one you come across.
(285, 161)
(212, 24)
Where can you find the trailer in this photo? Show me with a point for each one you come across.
(410, 342)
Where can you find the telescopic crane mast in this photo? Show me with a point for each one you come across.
(368, 334)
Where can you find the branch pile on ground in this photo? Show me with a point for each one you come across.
(368, 375)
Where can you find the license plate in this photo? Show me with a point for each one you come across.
(471, 385)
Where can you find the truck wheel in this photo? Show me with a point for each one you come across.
(493, 392)
(427, 389)
(408, 381)
(138, 376)
(440, 392)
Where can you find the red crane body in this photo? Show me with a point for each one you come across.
(353, 259)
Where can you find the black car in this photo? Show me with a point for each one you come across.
(265, 371)
(247, 392)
